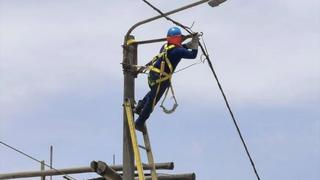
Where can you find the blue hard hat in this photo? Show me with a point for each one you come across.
(174, 31)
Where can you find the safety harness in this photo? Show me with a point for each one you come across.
(163, 76)
(164, 60)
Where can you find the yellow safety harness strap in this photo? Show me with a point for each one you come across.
(163, 75)
(163, 79)
(159, 84)
(167, 48)
(169, 64)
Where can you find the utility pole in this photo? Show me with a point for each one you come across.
(129, 70)
(129, 58)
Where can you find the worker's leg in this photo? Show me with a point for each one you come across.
(152, 77)
(147, 109)
(141, 103)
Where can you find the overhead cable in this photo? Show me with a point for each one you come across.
(25, 154)
(203, 49)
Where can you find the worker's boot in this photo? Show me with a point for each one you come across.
(139, 107)
(140, 126)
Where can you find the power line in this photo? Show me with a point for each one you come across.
(25, 154)
(204, 50)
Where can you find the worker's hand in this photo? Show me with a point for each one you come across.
(141, 69)
(194, 43)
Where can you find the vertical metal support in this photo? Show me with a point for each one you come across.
(42, 169)
(51, 157)
(129, 58)
(149, 154)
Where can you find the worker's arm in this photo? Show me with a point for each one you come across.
(190, 50)
(184, 52)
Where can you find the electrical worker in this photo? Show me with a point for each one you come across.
(161, 69)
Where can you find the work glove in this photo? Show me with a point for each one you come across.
(141, 69)
(194, 43)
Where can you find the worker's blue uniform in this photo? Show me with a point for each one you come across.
(145, 106)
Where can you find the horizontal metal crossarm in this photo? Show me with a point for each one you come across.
(155, 40)
(76, 170)
(104, 170)
(190, 176)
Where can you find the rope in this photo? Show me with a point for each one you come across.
(204, 50)
(175, 105)
(25, 154)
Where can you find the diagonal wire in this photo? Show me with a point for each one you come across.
(189, 66)
(25, 154)
(167, 18)
(218, 82)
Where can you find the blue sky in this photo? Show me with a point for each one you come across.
(61, 85)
